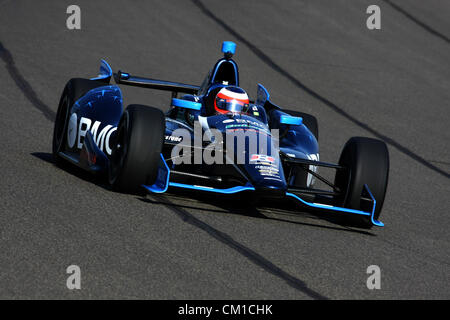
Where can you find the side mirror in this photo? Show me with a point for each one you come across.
(186, 104)
(296, 121)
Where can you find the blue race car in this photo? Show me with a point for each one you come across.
(214, 138)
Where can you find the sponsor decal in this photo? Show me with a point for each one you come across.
(173, 138)
(76, 133)
(272, 178)
(268, 170)
(247, 126)
(72, 130)
(272, 167)
(250, 123)
(262, 158)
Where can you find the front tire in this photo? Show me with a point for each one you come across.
(367, 161)
(137, 147)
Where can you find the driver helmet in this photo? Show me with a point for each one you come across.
(231, 99)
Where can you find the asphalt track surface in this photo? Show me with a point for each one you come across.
(314, 56)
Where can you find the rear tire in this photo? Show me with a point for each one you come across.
(60, 128)
(367, 161)
(301, 176)
(136, 149)
(308, 120)
(74, 90)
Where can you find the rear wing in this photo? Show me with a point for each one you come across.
(105, 75)
(175, 87)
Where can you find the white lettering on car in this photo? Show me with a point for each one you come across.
(72, 130)
(101, 139)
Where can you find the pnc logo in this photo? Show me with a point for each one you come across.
(76, 133)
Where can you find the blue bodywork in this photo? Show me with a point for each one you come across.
(94, 117)
(93, 120)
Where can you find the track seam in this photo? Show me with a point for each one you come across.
(257, 259)
(23, 84)
(273, 65)
(417, 21)
(248, 253)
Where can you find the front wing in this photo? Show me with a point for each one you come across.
(163, 183)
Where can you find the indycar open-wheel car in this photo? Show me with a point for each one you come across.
(134, 147)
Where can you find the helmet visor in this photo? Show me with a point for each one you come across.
(231, 105)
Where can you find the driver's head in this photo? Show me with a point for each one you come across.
(231, 99)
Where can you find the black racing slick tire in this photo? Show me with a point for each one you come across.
(137, 148)
(308, 120)
(367, 162)
(74, 90)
